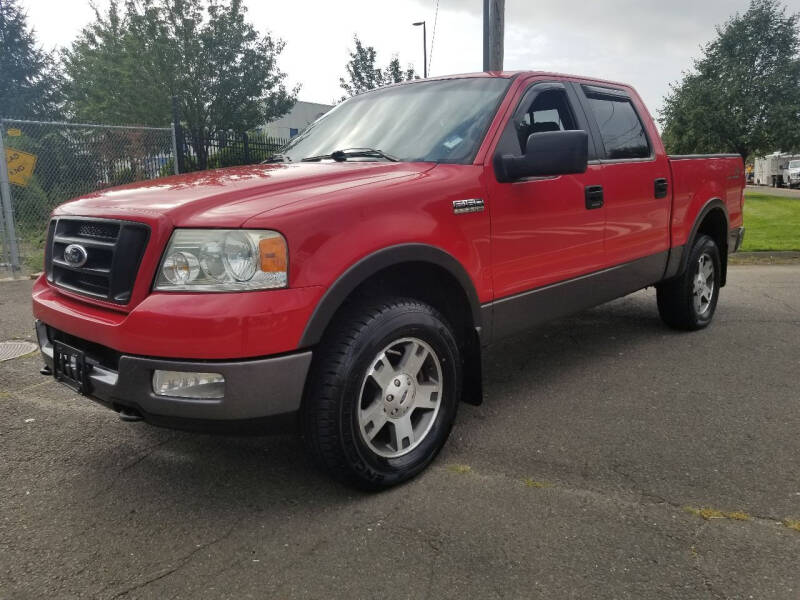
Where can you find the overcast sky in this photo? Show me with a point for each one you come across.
(646, 43)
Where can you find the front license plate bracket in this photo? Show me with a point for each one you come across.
(70, 367)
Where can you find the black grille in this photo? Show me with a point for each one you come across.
(98, 230)
(113, 251)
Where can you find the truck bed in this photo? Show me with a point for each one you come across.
(696, 178)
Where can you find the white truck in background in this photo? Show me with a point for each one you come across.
(773, 169)
(792, 176)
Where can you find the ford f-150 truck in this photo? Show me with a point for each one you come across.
(349, 287)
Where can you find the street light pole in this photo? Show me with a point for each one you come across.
(424, 47)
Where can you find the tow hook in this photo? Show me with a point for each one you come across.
(130, 416)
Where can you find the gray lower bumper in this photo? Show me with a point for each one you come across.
(735, 239)
(254, 389)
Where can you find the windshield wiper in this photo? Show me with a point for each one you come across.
(343, 155)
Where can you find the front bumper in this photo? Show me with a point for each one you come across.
(256, 390)
(195, 326)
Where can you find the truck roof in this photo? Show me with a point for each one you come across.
(513, 74)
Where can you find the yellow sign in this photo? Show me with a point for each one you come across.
(20, 166)
(14, 132)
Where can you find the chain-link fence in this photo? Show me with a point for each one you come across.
(48, 163)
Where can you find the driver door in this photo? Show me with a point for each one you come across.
(545, 230)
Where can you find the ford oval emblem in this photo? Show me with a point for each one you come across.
(75, 255)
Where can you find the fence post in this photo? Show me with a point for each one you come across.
(246, 148)
(12, 252)
(175, 151)
(177, 136)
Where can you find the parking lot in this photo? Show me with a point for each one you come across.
(583, 475)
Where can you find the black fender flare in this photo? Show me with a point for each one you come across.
(360, 271)
(679, 260)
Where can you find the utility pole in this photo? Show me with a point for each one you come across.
(486, 5)
(493, 34)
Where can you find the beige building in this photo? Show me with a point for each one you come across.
(297, 119)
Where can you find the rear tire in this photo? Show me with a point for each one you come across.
(689, 300)
(383, 393)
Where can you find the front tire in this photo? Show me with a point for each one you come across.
(383, 393)
(689, 300)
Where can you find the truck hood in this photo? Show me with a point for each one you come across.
(229, 197)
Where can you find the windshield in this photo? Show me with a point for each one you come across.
(429, 121)
(794, 164)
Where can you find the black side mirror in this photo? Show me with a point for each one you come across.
(546, 154)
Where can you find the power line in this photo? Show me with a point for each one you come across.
(433, 36)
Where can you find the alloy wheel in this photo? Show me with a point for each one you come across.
(703, 284)
(400, 397)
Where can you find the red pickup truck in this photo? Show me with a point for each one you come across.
(349, 287)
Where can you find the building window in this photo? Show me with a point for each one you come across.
(293, 132)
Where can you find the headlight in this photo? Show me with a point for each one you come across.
(223, 260)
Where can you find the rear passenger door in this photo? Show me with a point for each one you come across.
(635, 175)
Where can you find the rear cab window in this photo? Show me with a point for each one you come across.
(620, 128)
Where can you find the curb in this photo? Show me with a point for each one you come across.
(766, 257)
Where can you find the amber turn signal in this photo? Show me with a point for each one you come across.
(272, 251)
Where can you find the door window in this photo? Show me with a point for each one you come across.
(621, 129)
(549, 111)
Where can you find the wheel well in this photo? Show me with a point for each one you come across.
(423, 281)
(715, 225)
(434, 285)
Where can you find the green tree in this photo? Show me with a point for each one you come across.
(743, 94)
(104, 79)
(29, 79)
(127, 64)
(394, 73)
(363, 74)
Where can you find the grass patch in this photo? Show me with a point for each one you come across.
(792, 524)
(771, 222)
(532, 483)
(459, 468)
(738, 515)
(713, 513)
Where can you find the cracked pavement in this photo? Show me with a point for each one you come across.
(597, 435)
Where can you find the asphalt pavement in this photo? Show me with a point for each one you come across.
(612, 458)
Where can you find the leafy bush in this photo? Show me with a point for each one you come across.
(123, 176)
